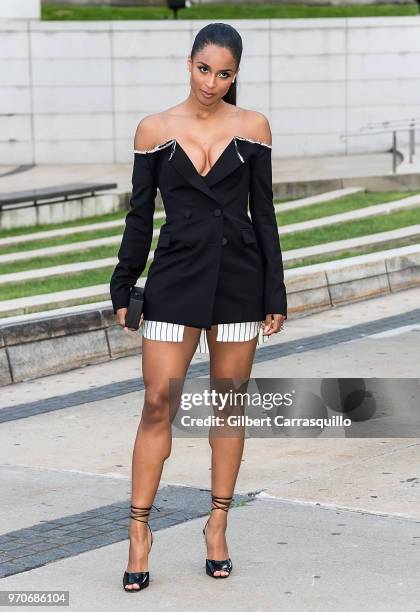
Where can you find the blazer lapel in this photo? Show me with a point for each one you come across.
(182, 163)
(227, 163)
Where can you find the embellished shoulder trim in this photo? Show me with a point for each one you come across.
(159, 146)
(264, 144)
(167, 143)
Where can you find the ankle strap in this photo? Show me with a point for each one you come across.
(220, 503)
(137, 512)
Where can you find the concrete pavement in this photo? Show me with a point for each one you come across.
(284, 169)
(326, 524)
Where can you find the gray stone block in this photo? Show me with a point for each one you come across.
(403, 262)
(51, 327)
(304, 280)
(57, 540)
(8, 569)
(405, 278)
(358, 289)
(35, 359)
(347, 272)
(302, 189)
(5, 373)
(108, 317)
(41, 546)
(14, 546)
(311, 300)
(40, 558)
(23, 551)
(77, 547)
(122, 343)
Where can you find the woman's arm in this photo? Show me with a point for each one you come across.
(265, 223)
(138, 232)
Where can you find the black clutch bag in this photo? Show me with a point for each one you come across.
(135, 308)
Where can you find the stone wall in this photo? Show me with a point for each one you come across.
(20, 9)
(74, 92)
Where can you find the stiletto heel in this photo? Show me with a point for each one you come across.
(140, 578)
(215, 565)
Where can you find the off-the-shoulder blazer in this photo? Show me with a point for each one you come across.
(213, 263)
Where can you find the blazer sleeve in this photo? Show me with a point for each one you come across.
(265, 224)
(138, 232)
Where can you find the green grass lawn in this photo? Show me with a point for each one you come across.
(340, 205)
(63, 12)
(291, 241)
(299, 239)
(45, 227)
(350, 229)
(86, 279)
(314, 211)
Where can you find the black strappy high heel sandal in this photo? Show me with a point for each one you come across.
(140, 578)
(214, 565)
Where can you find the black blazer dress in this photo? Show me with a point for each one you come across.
(213, 264)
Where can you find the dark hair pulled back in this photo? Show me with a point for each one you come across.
(223, 35)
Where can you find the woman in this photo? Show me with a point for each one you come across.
(216, 276)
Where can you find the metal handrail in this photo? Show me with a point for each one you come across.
(410, 121)
(410, 124)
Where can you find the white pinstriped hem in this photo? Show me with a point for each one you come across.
(226, 332)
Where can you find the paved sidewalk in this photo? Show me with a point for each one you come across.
(326, 524)
(284, 169)
(286, 556)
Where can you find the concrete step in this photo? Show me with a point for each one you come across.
(316, 273)
(48, 301)
(291, 257)
(61, 270)
(72, 247)
(378, 209)
(65, 231)
(68, 340)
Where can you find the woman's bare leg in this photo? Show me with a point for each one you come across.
(227, 360)
(161, 361)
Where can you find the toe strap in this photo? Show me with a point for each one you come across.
(215, 565)
(135, 577)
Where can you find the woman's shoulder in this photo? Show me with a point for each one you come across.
(152, 130)
(148, 131)
(257, 127)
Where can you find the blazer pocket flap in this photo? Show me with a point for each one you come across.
(164, 240)
(248, 235)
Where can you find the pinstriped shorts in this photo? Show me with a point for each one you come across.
(226, 332)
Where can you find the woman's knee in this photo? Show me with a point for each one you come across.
(156, 407)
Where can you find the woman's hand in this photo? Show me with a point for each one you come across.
(273, 323)
(121, 314)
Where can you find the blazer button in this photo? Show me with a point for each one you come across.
(187, 214)
(217, 212)
(224, 240)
